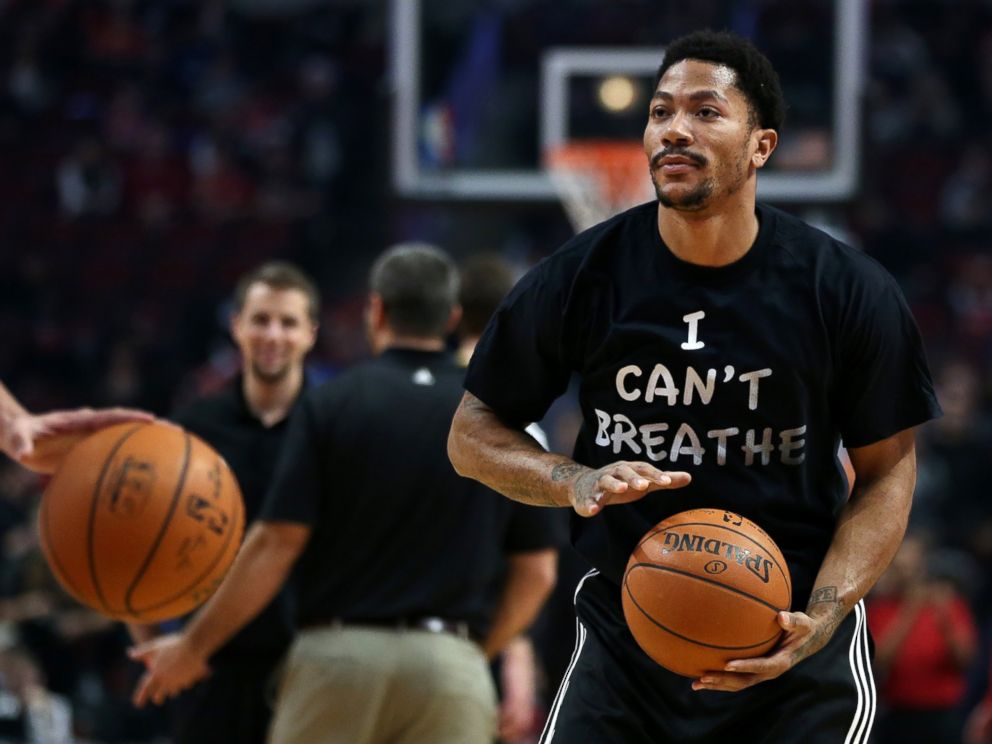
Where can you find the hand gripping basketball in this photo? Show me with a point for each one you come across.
(802, 636)
(703, 588)
(620, 483)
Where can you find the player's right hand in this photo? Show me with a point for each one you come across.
(41, 441)
(171, 666)
(620, 483)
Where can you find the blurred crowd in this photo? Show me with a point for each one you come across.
(153, 150)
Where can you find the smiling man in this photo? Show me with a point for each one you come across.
(274, 325)
(724, 350)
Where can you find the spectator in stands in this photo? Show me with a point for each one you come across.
(926, 640)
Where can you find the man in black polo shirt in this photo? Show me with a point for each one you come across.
(724, 350)
(399, 559)
(274, 325)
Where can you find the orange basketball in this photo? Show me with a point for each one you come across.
(704, 587)
(141, 521)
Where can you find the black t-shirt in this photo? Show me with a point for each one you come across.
(747, 376)
(396, 532)
(226, 423)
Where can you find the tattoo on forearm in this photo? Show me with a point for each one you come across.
(829, 615)
(827, 622)
(566, 471)
(823, 595)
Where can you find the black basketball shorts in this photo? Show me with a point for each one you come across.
(613, 693)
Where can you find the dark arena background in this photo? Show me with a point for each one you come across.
(151, 151)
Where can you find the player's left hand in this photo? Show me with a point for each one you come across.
(802, 636)
(172, 665)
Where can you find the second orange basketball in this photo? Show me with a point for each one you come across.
(704, 587)
(141, 521)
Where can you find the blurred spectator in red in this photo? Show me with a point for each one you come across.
(926, 640)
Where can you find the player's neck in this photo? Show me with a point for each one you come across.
(717, 236)
(271, 401)
(386, 339)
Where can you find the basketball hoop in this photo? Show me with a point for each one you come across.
(597, 179)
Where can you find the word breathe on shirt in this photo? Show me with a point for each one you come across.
(633, 383)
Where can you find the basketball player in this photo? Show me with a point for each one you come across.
(397, 556)
(274, 324)
(724, 350)
(39, 441)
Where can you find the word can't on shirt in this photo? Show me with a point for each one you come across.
(655, 441)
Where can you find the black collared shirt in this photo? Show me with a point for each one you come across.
(251, 449)
(397, 533)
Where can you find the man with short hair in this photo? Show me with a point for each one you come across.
(274, 324)
(734, 346)
(397, 558)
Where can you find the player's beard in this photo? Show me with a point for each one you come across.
(691, 202)
(270, 377)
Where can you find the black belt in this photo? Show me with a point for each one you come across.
(458, 628)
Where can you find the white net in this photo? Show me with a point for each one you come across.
(597, 179)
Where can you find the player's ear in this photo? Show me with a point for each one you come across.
(375, 312)
(454, 319)
(314, 329)
(767, 141)
(234, 325)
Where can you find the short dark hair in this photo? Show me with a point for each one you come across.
(486, 279)
(279, 275)
(418, 284)
(755, 76)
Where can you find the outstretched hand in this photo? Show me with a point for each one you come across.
(172, 666)
(620, 483)
(41, 441)
(802, 636)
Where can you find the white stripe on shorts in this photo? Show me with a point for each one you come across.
(864, 681)
(580, 639)
(872, 692)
